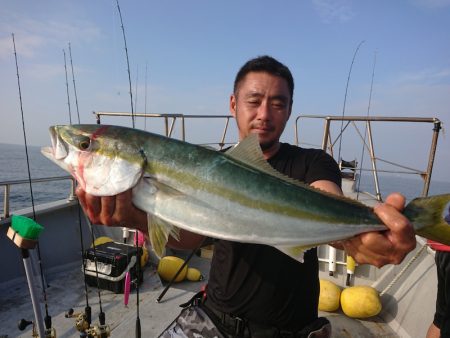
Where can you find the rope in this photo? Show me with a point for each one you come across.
(402, 271)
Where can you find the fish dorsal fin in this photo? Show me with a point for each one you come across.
(249, 152)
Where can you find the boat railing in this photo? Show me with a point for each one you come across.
(170, 123)
(8, 184)
(329, 143)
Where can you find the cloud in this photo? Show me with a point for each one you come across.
(333, 10)
(430, 76)
(33, 36)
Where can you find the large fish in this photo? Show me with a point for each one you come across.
(235, 195)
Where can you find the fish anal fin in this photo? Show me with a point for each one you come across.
(295, 252)
(159, 232)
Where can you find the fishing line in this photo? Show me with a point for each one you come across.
(74, 87)
(136, 88)
(367, 124)
(47, 319)
(128, 62)
(345, 98)
(67, 87)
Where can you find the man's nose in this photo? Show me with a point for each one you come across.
(263, 111)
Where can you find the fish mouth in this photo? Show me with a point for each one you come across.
(58, 151)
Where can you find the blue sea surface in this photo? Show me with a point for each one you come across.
(13, 166)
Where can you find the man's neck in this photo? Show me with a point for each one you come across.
(271, 151)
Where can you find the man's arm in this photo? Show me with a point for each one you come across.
(379, 247)
(119, 211)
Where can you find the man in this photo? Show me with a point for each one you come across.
(256, 286)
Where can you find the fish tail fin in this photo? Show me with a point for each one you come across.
(430, 217)
(159, 232)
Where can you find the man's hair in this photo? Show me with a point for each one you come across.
(265, 64)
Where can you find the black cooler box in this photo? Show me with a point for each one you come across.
(113, 261)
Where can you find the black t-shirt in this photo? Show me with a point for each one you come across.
(259, 282)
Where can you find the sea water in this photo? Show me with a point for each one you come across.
(13, 166)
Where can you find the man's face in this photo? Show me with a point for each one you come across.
(261, 105)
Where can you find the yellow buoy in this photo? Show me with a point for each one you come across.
(168, 267)
(194, 275)
(329, 296)
(360, 302)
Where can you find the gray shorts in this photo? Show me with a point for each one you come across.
(197, 321)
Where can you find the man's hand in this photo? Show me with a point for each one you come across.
(113, 210)
(119, 210)
(384, 247)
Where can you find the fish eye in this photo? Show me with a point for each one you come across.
(85, 144)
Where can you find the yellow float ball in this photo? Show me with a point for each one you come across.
(168, 267)
(194, 275)
(360, 302)
(329, 297)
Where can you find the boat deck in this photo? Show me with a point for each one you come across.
(66, 290)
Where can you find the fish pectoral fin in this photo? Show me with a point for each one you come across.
(295, 252)
(159, 232)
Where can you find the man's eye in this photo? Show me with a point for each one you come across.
(279, 104)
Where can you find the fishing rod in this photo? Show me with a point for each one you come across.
(128, 62)
(48, 331)
(332, 250)
(367, 126)
(84, 320)
(138, 320)
(74, 87)
(351, 263)
(145, 98)
(136, 88)
(67, 87)
(345, 96)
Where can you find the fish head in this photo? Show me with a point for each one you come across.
(101, 158)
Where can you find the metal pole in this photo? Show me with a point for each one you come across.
(373, 160)
(6, 202)
(436, 129)
(31, 285)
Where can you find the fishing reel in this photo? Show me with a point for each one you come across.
(81, 319)
(49, 333)
(102, 331)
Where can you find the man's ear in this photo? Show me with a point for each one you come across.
(233, 105)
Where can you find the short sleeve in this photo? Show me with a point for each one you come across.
(321, 166)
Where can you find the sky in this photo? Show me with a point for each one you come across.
(183, 57)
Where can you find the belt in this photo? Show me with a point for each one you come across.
(235, 326)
